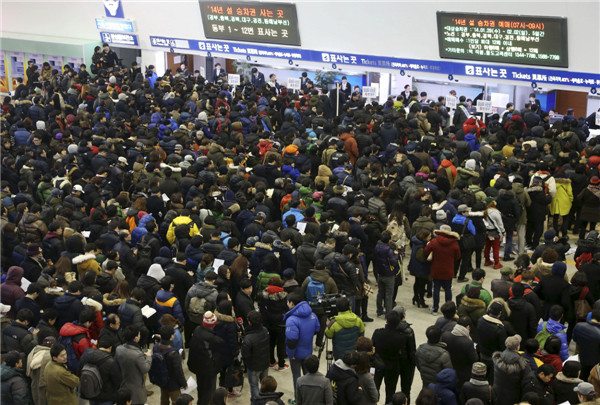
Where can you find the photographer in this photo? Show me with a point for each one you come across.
(344, 329)
(320, 278)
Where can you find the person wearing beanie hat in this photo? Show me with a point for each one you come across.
(501, 287)
(201, 361)
(478, 388)
(590, 201)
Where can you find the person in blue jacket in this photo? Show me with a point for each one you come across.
(559, 330)
(300, 327)
(151, 75)
(458, 226)
(445, 387)
(166, 302)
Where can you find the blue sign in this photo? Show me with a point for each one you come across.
(483, 71)
(114, 25)
(113, 8)
(119, 39)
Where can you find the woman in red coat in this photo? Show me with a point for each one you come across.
(445, 252)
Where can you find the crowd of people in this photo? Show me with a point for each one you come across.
(149, 221)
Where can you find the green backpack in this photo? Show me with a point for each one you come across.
(543, 335)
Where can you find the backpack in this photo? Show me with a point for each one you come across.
(220, 124)
(72, 360)
(196, 310)
(543, 335)
(584, 258)
(545, 183)
(144, 249)
(90, 381)
(159, 372)
(314, 290)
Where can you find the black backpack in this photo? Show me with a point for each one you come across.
(144, 248)
(159, 372)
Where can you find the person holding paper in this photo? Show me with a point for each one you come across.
(131, 313)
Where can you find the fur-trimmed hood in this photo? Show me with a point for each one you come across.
(83, 258)
(564, 180)
(273, 297)
(449, 234)
(263, 246)
(472, 302)
(506, 310)
(561, 377)
(223, 317)
(509, 362)
(534, 189)
(112, 302)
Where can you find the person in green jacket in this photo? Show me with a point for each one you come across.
(478, 279)
(344, 329)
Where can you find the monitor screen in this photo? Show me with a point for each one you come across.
(527, 40)
(267, 23)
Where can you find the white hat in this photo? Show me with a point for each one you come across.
(41, 125)
(4, 308)
(77, 187)
(122, 159)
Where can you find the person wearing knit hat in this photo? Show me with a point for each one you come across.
(209, 320)
(513, 342)
(477, 390)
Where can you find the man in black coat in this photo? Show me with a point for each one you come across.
(108, 368)
(540, 384)
(536, 212)
(397, 349)
(110, 332)
(255, 352)
(478, 387)
(69, 305)
(181, 276)
(461, 349)
(491, 335)
(522, 314)
(511, 371)
(257, 78)
(204, 359)
(244, 303)
(16, 337)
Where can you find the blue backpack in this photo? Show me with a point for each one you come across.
(314, 290)
(159, 372)
(72, 360)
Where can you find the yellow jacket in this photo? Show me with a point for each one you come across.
(563, 199)
(181, 221)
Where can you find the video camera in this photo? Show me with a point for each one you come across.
(327, 304)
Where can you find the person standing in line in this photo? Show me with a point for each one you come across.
(255, 352)
(60, 382)
(134, 364)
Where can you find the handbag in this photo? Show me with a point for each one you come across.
(234, 376)
(582, 307)
(467, 239)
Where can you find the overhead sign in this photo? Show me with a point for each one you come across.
(294, 83)
(113, 8)
(250, 21)
(233, 80)
(483, 71)
(119, 39)
(528, 40)
(114, 25)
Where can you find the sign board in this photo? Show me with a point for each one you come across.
(294, 83)
(450, 101)
(106, 24)
(17, 64)
(384, 63)
(113, 8)
(56, 62)
(118, 38)
(250, 21)
(499, 100)
(483, 106)
(233, 80)
(2, 64)
(75, 63)
(370, 91)
(528, 40)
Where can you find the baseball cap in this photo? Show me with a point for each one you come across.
(77, 187)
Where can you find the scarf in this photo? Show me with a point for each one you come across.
(475, 381)
(460, 330)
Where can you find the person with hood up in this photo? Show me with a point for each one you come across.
(445, 387)
(300, 327)
(432, 357)
(344, 380)
(150, 282)
(446, 252)
(554, 289)
(37, 361)
(523, 314)
(10, 290)
(15, 389)
(510, 371)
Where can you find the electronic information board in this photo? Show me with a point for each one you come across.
(527, 40)
(274, 23)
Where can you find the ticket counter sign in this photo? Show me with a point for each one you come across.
(119, 38)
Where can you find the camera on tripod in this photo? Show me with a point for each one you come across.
(327, 304)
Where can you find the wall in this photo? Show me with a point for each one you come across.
(401, 28)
